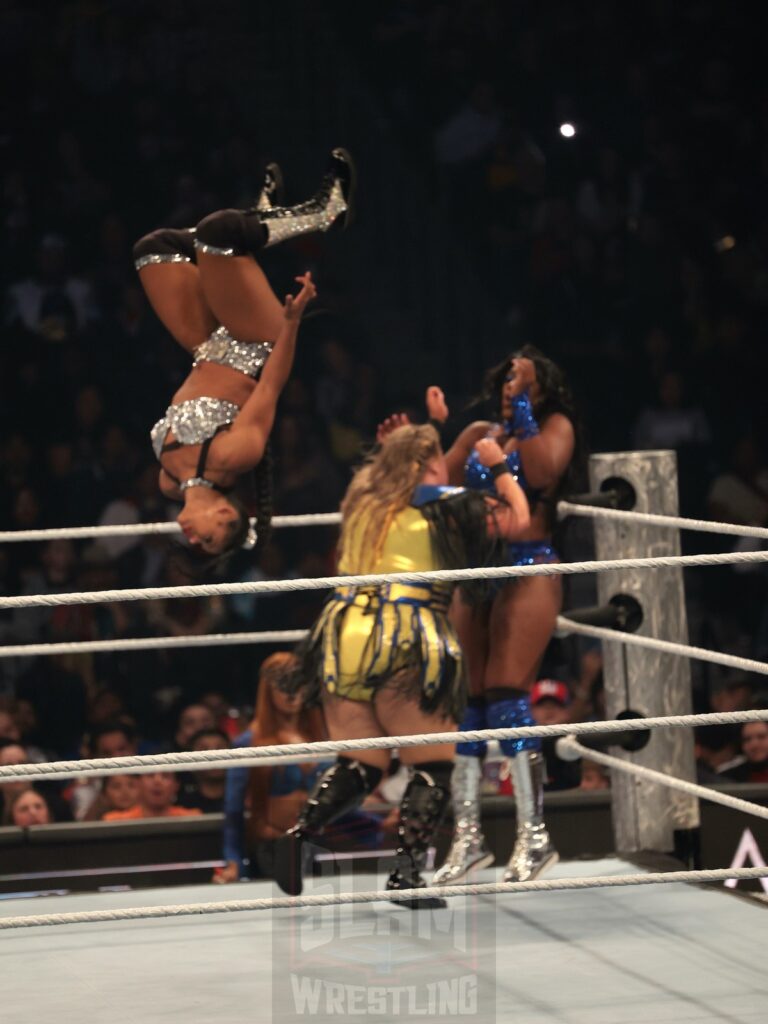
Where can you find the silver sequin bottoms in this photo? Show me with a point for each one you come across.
(193, 421)
(246, 357)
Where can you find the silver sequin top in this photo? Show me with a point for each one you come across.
(246, 357)
(193, 421)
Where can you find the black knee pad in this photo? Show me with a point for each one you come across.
(369, 774)
(231, 232)
(439, 772)
(165, 243)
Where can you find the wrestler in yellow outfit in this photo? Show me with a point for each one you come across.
(384, 659)
(365, 635)
(369, 634)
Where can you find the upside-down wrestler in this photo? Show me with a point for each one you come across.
(208, 290)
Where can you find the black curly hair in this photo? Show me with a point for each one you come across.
(554, 396)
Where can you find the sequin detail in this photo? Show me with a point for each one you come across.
(318, 214)
(523, 424)
(161, 257)
(480, 478)
(246, 357)
(512, 713)
(474, 719)
(215, 250)
(193, 421)
(196, 481)
(531, 552)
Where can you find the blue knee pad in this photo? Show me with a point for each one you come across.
(474, 718)
(512, 713)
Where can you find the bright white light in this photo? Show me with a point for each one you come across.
(567, 130)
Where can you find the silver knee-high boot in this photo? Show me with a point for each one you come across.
(468, 851)
(332, 202)
(533, 852)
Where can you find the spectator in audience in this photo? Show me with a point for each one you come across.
(9, 726)
(672, 422)
(157, 793)
(205, 789)
(117, 793)
(754, 746)
(550, 705)
(594, 776)
(277, 794)
(52, 303)
(113, 738)
(718, 752)
(732, 692)
(29, 807)
(740, 495)
(193, 718)
(11, 752)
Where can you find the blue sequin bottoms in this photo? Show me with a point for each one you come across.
(531, 552)
(523, 552)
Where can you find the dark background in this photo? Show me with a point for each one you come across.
(634, 253)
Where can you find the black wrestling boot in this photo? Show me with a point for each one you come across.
(331, 203)
(421, 811)
(272, 191)
(340, 789)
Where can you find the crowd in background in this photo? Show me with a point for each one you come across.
(634, 252)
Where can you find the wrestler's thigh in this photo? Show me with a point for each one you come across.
(523, 617)
(471, 625)
(354, 720)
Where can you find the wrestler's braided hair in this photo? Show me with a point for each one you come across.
(264, 496)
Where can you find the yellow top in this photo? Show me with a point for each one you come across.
(407, 546)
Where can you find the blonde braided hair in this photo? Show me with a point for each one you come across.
(380, 489)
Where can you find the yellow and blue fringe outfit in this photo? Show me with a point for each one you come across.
(365, 635)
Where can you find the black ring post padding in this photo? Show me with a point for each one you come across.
(623, 613)
(606, 615)
(615, 492)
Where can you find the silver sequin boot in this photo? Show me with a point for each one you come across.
(332, 201)
(533, 852)
(468, 851)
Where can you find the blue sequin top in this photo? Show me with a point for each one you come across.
(479, 477)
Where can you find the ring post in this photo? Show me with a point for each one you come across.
(648, 816)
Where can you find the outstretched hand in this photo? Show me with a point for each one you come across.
(385, 428)
(296, 304)
(437, 407)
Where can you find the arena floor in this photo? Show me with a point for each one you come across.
(673, 953)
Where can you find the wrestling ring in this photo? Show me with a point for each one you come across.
(614, 940)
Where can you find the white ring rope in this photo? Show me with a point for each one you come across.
(383, 895)
(235, 756)
(504, 572)
(564, 508)
(247, 762)
(146, 529)
(567, 508)
(570, 749)
(155, 643)
(566, 626)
